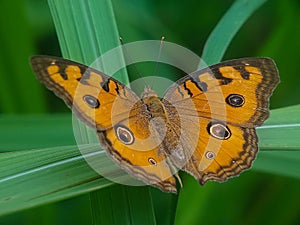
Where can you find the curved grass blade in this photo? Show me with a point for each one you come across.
(86, 30)
(34, 177)
(279, 143)
(220, 38)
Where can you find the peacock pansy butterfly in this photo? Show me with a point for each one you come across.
(204, 124)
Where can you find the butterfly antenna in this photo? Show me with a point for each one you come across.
(126, 55)
(157, 60)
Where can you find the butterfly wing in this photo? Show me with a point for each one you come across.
(111, 108)
(90, 93)
(230, 99)
(138, 155)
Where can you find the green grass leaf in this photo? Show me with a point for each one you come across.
(127, 205)
(35, 131)
(220, 38)
(279, 143)
(35, 177)
(86, 30)
(281, 130)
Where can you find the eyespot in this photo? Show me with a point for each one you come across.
(210, 155)
(152, 161)
(91, 101)
(218, 130)
(235, 100)
(124, 135)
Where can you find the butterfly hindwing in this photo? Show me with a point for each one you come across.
(219, 157)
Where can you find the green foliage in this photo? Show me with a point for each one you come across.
(34, 171)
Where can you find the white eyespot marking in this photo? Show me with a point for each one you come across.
(124, 135)
(152, 161)
(210, 155)
(218, 130)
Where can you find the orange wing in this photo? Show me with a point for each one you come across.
(229, 99)
(139, 153)
(114, 111)
(92, 95)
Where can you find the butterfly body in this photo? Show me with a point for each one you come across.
(204, 123)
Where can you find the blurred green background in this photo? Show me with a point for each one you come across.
(272, 31)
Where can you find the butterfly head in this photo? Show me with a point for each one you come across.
(148, 92)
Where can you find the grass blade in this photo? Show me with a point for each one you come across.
(279, 143)
(220, 38)
(91, 26)
(45, 175)
(126, 206)
(35, 131)
(281, 131)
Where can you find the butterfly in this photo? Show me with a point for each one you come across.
(204, 124)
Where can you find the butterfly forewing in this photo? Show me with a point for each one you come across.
(241, 87)
(91, 94)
